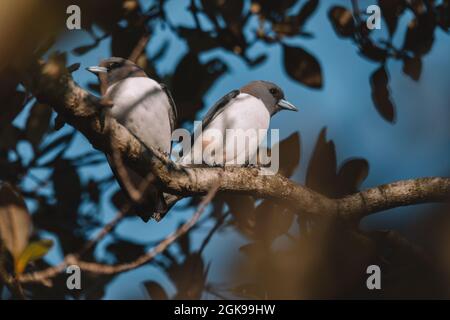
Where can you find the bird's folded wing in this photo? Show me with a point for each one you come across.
(152, 201)
(173, 110)
(218, 107)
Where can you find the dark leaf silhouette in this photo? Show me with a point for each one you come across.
(11, 106)
(74, 67)
(391, 10)
(420, 34)
(321, 174)
(292, 25)
(119, 199)
(229, 10)
(9, 136)
(185, 243)
(67, 186)
(443, 11)
(189, 276)
(124, 250)
(351, 174)
(9, 170)
(155, 291)
(273, 10)
(272, 220)
(198, 40)
(302, 67)
(124, 40)
(412, 67)
(37, 123)
(306, 11)
(243, 210)
(372, 51)
(380, 94)
(289, 153)
(93, 191)
(342, 21)
(95, 286)
(158, 55)
(188, 93)
(258, 60)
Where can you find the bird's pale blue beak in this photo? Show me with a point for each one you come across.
(96, 69)
(283, 104)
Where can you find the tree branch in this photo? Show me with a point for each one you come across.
(85, 112)
(52, 84)
(45, 275)
(395, 194)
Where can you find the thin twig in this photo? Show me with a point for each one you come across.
(106, 229)
(356, 11)
(137, 196)
(139, 48)
(213, 230)
(44, 275)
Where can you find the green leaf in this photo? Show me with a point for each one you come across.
(34, 251)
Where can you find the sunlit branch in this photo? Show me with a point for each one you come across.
(86, 113)
(83, 111)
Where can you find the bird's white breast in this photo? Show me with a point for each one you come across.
(245, 113)
(142, 107)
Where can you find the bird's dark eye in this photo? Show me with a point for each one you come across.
(114, 65)
(273, 91)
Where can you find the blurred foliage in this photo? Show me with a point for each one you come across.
(418, 40)
(289, 255)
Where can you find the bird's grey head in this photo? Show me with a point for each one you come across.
(114, 69)
(270, 94)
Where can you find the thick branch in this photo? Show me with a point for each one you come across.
(396, 194)
(85, 113)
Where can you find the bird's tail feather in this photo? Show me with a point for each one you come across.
(152, 203)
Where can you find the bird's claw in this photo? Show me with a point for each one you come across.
(249, 164)
(218, 165)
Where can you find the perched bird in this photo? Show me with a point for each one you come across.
(146, 108)
(250, 107)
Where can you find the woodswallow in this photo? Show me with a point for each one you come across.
(146, 108)
(250, 107)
